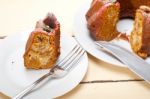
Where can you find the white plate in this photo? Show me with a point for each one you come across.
(14, 76)
(83, 36)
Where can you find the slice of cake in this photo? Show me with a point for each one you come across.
(43, 45)
(140, 36)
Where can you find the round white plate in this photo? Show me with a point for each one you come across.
(87, 42)
(14, 77)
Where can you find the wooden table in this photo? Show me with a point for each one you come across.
(103, 80)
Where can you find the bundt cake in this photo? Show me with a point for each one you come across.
(140, 36)
(102, 16)
(43, 45)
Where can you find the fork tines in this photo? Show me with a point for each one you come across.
(71, 58)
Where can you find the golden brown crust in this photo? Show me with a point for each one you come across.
(146, 32)
(95, 6)
(128, 7)
(43, 45)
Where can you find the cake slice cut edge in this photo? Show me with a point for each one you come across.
(140, 36)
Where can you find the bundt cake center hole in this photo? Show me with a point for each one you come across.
(125, 25)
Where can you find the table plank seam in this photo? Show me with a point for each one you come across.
(2, 37)
(111, 81)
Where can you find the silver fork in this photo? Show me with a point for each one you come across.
(61, 69)
(131, 60)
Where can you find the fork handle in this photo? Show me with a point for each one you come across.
(30, 87)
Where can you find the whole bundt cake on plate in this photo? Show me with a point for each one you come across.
(103, 15)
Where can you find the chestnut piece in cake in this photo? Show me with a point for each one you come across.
(43, 45)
